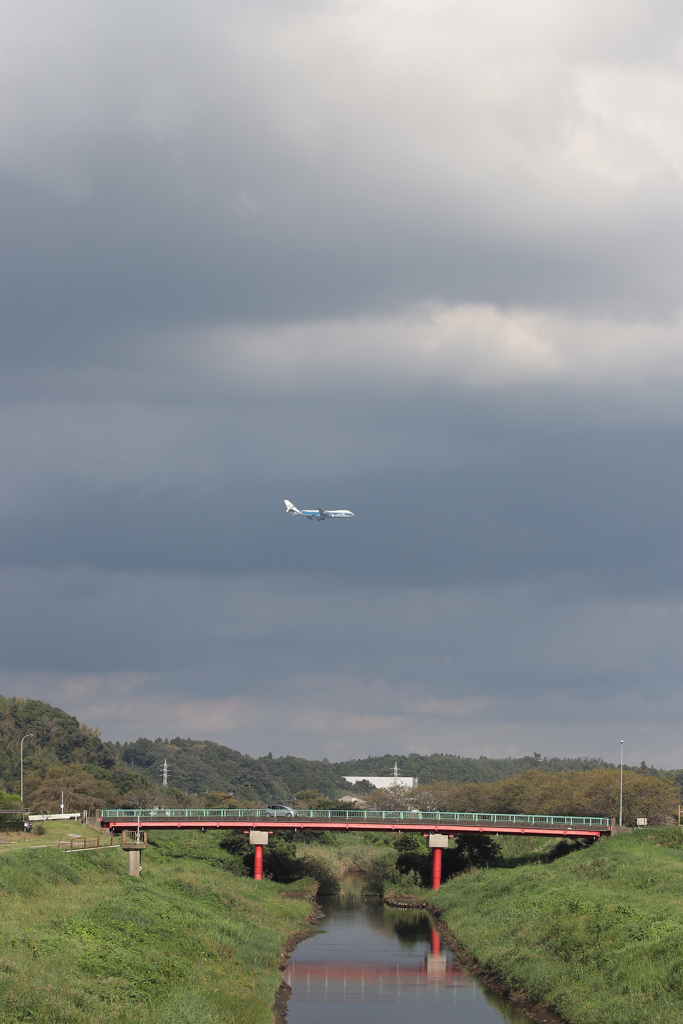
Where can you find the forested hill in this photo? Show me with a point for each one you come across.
(200, 767)
(54, 737)
(428, 768)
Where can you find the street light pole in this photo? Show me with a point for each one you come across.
(621, 784)
(21, 761)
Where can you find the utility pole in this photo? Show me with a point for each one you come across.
(21, 761)
(164, 773)
(621, 785)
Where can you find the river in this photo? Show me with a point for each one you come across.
(380, 965)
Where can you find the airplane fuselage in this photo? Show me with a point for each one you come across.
(318, 513)
(340, 513)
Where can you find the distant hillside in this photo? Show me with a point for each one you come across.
(202, 766)
(57, 737)
(199, 767)
(429, 768)
(63, 758)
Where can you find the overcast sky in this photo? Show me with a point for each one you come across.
(421, 260)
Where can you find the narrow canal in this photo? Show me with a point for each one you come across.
(376, 964)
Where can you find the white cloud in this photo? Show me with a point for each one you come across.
(534, 119)
(464, 345)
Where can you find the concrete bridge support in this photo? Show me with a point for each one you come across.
(437, 843)
(258, 840)
(134, 843)
(135, 863)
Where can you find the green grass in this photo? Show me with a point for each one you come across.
(514, 851)
(12, 838)
(597, 935)
(186, 943)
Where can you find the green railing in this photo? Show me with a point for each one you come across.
(429, 817)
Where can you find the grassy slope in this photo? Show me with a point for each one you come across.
(54, 831)
(597, 936)
(187, 943)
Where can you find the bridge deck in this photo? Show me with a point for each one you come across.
(445, 822)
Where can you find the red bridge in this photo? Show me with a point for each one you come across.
(436, 826)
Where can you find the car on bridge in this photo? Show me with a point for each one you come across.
(280, 811)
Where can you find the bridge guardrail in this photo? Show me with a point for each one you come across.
(437, 817)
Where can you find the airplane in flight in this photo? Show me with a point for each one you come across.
(318, 513)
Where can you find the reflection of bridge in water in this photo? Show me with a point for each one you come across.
(438, 970)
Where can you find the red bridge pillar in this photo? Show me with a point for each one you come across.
(258, 840)
(437, 843)
(436, 868)
(258, 863)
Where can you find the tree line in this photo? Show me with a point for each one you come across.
(592, 793)
(64, 755)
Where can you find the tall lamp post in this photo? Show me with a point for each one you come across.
(21, 761)
(621, 784)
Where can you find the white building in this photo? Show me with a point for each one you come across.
(384, 781)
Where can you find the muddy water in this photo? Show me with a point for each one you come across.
(371, 963)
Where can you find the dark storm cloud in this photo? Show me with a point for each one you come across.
(604, 505)
(316, 669)
(421, 262)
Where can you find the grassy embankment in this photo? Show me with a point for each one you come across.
(597, 936)
(47, 833)
(187, 943)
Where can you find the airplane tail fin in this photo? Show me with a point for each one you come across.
(292, 509)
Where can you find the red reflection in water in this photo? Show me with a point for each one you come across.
(437, 969)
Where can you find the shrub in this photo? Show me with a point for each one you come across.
(323, 865)
(413, 855)
(381, 873)
(280, 861)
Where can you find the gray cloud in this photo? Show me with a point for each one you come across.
(421, 262)
(255, 161)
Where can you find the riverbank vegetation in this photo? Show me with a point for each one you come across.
(596, 936)
(387, 863)
(188, 942)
